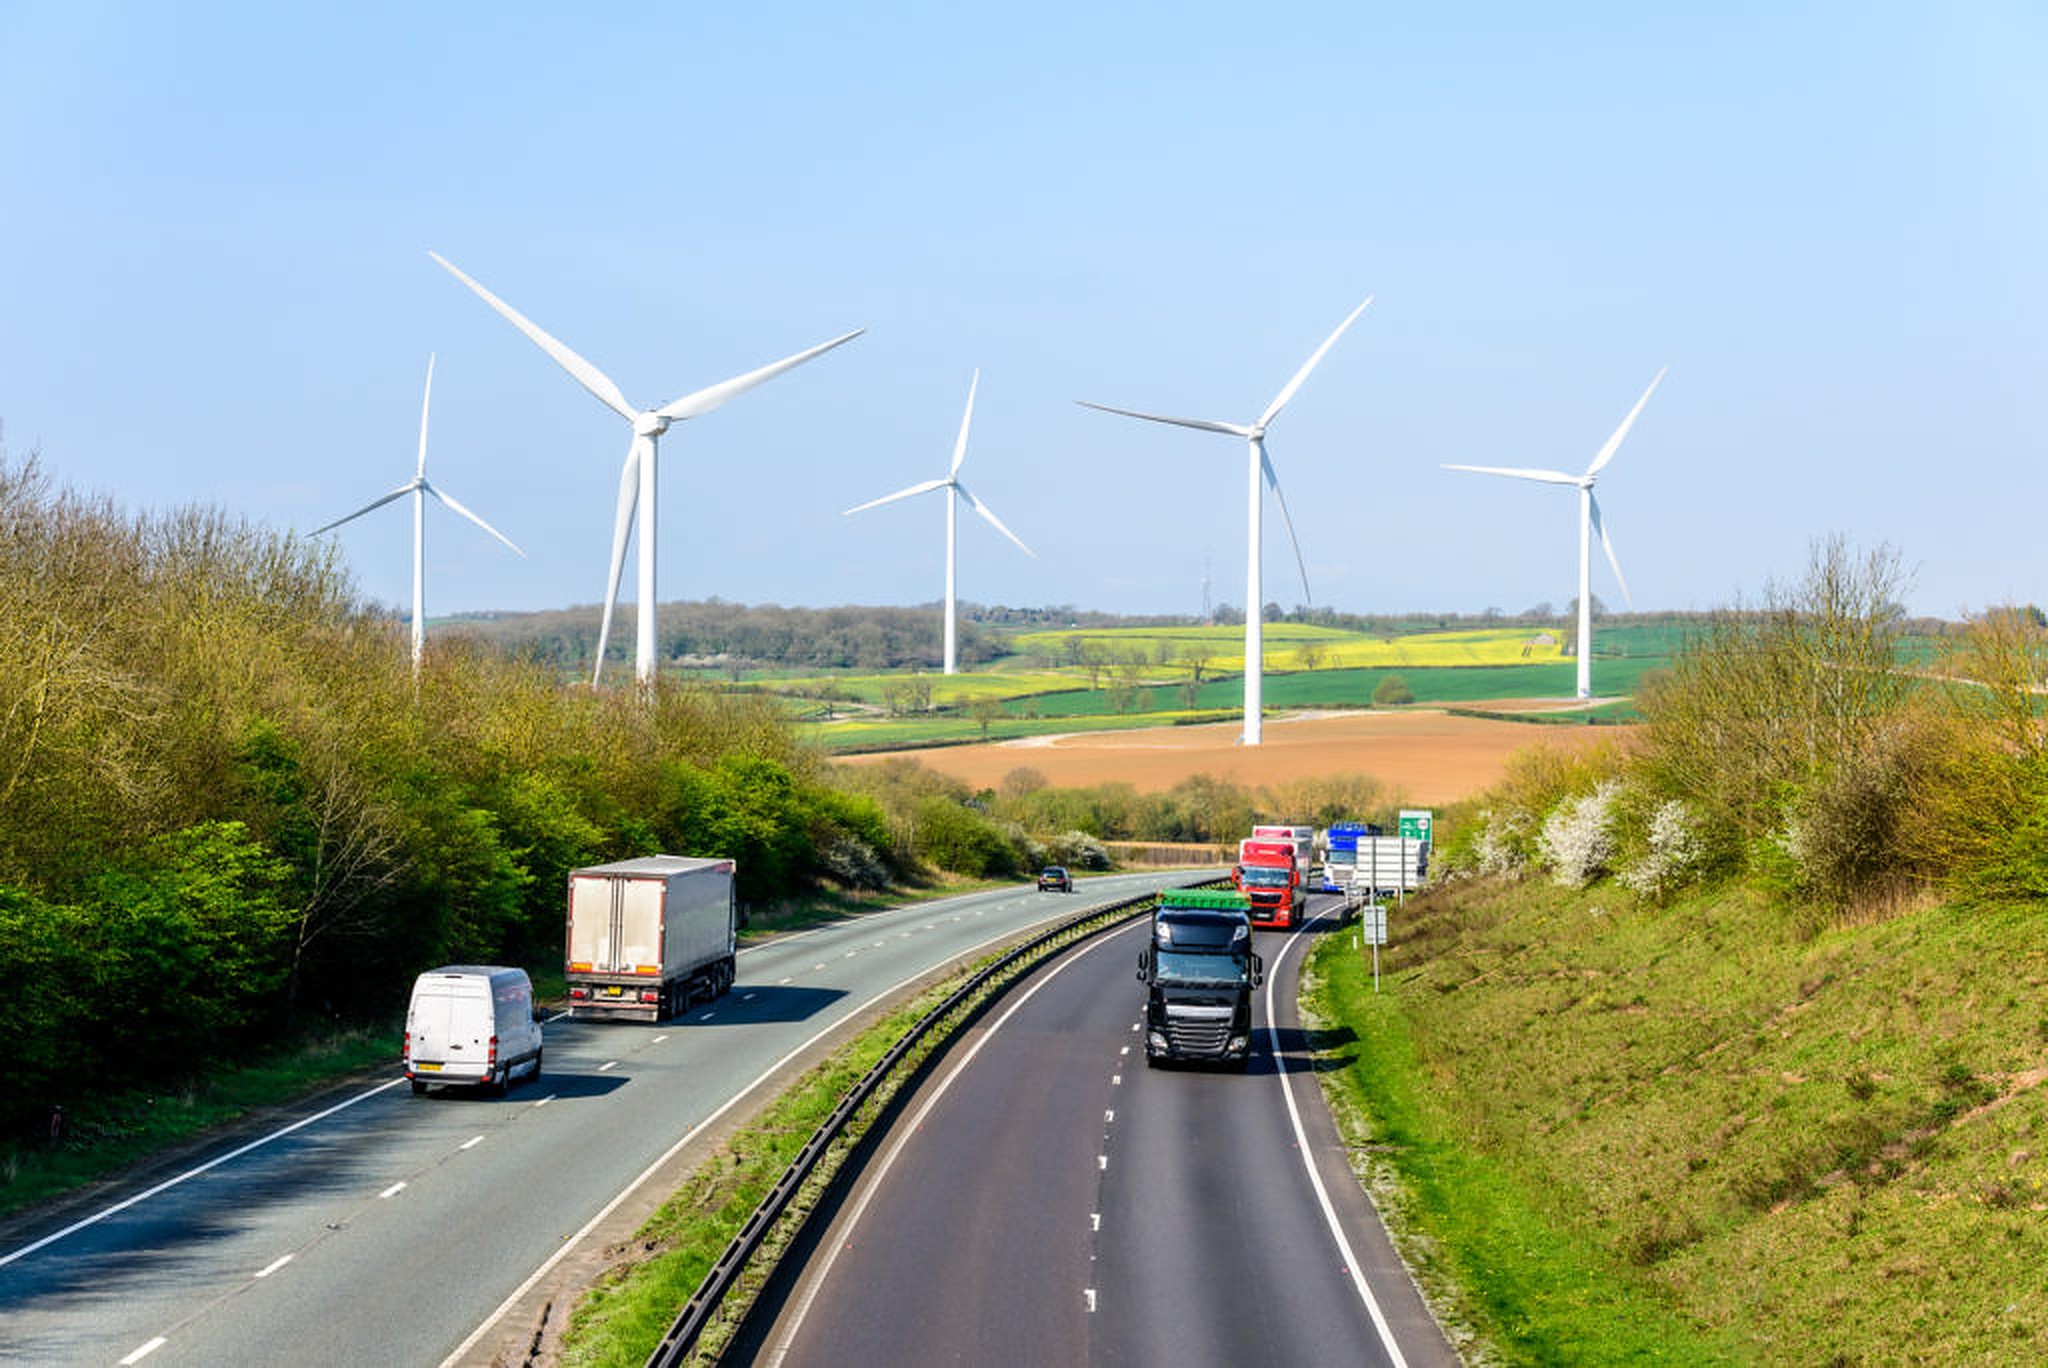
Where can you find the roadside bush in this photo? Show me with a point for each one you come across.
(1577, 839)
(1671, 854)
(963, 841)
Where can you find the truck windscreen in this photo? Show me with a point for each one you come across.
(1192, 966)
(1265, 876)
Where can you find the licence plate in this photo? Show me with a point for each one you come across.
(613, 990)
(426, 1068)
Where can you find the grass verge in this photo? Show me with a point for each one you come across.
(1719, 1130)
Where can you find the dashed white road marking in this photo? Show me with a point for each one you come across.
(1095, 1220)
(780, 983)
(707, 1016)
(1109, 1117)
(144, 1352)
(608, 1064)
(748, 997)
(1125, 1050)
(1101, 1162)
(471, 1143)
(273, 1266)
(391, 1191)
(658, 1039)
(545, 1100)
(1091, 1299)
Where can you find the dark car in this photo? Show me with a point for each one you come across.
(1053, 879)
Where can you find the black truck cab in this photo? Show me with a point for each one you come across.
(1199, 973)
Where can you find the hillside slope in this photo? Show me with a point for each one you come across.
(1697, 1134)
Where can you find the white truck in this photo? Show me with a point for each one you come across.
(647, 937)
(472, 1024)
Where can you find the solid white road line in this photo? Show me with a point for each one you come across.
(1308, 1162)
(273, 1266)
(168, 1184)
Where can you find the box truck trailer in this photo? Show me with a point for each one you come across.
(647, 937)
(1199, 972)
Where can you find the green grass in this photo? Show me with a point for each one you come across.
(106, 1131)
(1709, 1132)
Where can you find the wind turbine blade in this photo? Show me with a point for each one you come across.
(622, 526)
(960, 444)
(370, 507)
(420, 472)
(927, 487)
(1233, 429)
(587, 375)
(1280, 402)
(448, 501)
(1600, 526)
(710, 397)
(1273, 481)
(1546, 476)
(1614, 442)
(994, 521)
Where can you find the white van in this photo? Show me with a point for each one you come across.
(472, 1023)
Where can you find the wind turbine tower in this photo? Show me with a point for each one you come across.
(637, 486)
(1258, 464)
(951, 484)
(1589, 523)
(420, 488)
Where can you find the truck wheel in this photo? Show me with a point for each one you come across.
(536, 1065)
(728, 975)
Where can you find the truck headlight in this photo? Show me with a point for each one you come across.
(1156, 1039)
(1238, 1043)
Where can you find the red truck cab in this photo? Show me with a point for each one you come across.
(1270, 877)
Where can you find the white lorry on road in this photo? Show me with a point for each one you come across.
(647, 937)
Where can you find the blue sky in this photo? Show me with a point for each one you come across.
(1829, 221)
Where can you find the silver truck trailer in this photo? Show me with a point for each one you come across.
(647, 937)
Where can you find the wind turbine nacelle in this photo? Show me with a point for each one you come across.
(649, 424)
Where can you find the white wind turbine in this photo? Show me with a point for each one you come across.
(1259, 463)
(637, 478)
(1589, 523)
(420, 487)
(951, 484)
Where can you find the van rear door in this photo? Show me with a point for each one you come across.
(451, 1024)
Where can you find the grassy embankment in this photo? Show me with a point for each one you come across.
(1627, 1134)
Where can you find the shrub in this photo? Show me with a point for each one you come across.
(1577, 840)
(1672, 852)
(1392, 691)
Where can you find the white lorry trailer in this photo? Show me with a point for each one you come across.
(647, 937)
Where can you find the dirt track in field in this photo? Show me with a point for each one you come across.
(1421, 756)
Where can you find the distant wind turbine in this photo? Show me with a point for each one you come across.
(637, 478)
(1589, 523)
(1259, 463)
(420, 487)
(951, 484)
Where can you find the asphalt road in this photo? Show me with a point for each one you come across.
(1048, 1199)
(394, 1229)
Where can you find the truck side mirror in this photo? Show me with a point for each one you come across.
(1143, 958)
(1258, 971)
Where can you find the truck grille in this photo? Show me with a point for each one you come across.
(1198, 1030)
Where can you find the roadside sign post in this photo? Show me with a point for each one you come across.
(1372, 928)
(1418, 825)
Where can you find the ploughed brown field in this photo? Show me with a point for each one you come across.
(1421, 756)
